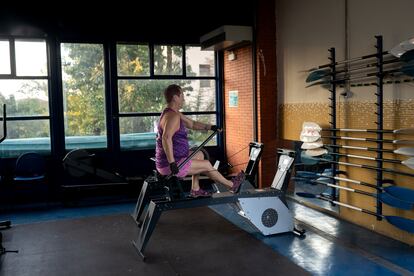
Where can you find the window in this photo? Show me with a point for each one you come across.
(143, 72)
(84, 95)
(133, 60)
(24, 89)
(168, 60)
(204, 70)
(5, 57)
(199, 63)
(140, 96)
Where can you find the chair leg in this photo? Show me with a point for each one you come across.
(5, 224)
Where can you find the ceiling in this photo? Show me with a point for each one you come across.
(175, 21)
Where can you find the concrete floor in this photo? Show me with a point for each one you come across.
(331, 246)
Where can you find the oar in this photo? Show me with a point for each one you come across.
(313, 160)
(361, 84)
(405, 151)
(394, 131)
(319, 74)
(402, 48)
(345, 61)
(406, 69)
(407, 56)
(402, 151)
(401, 193)
(400, 222)
(4, 124)
(409, 142)
(365, 167)
(409, 162)
(383, 197)
(375, 84)
(395, 51)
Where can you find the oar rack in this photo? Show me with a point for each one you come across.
(334, 81)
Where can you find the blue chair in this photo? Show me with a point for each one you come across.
(30, 167)
(29, 179)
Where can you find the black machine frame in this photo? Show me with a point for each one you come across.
(157, 196)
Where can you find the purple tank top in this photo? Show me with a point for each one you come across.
(179, 140)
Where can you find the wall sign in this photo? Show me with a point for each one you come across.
(233, 98)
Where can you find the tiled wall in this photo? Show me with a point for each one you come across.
(397, 114)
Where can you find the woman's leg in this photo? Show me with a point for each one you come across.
(204, 166)
(195, 181)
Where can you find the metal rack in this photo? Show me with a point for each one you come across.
(380, 118)
(332, 115)
(379, 113)
(397, 197)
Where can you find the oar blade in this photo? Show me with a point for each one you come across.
(405, 151)
(308, 195)
(402, 223)
(401, 193)
(409, 163)
(395, 202)
(404, 131)
(308, 160)
(318, 83)
(306, 174)
(409, 71)
(407, 56)
(317, 75)
(314, 188)
(406, 142)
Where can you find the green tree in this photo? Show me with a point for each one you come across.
(84, 86)
(84, 89)
(28, 100)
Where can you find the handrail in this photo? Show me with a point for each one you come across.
(4, 124)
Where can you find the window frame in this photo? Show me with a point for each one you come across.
(183, 76)
(54, 80)
(13, 76)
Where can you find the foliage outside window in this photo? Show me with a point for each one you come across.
(84, 95)
(141, 99)
(142, 77)
(24, 90)
(168, 60)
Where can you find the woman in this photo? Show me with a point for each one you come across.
(172, 146)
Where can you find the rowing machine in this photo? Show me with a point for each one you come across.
(266, 209)
(155, 188)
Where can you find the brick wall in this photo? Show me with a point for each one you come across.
(238, 75)
(238, 120)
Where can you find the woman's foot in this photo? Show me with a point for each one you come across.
(237, 181)
(199, 193)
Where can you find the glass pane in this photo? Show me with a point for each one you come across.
(141, 95)
(168, 60)
(1, 122)
(138, 132)
(85, 142)
(199, 63)
(25, 97)
(5, 57)
(25, 136)
(84, 93)
(133, 60)
(196, 137)
(147, 95)
(31, 58)
(200, 95)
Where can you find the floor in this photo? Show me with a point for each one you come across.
(330, 247)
